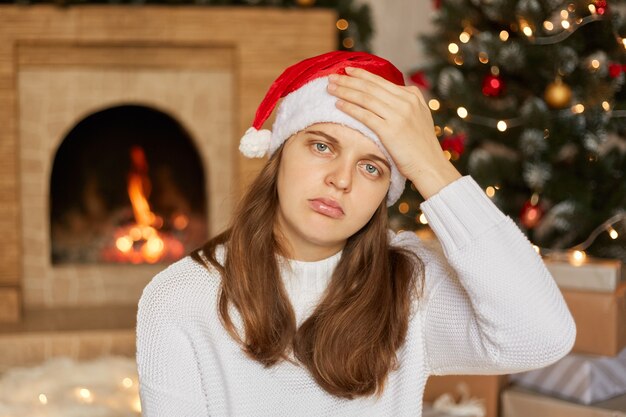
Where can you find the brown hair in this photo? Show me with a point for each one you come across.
(349, 342)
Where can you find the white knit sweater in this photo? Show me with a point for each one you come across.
(490, 307)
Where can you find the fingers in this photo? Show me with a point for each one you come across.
(368, 118)
(368, 97)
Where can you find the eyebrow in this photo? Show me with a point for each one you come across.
(335, 142)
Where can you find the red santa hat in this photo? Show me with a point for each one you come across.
(306, 101)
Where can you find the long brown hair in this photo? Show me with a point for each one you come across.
(349, 342)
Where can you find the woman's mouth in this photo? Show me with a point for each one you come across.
(327, 207)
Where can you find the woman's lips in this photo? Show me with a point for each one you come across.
(327, 207)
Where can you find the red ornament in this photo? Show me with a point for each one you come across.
(419, 78)
(531, 214)
(454, 144)
(616, 69)
(601, 6)
(493, 85)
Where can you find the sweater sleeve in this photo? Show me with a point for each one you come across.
(169, 379)
(491, 306)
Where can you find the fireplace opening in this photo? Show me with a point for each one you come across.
(127, 186)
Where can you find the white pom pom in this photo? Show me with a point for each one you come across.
(255, 143)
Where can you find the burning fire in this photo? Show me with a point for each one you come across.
(142, 241)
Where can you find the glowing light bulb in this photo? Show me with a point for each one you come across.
(447, 130)
(434, 104)
(592, 8)
(578, 108)
(453, 48)
(565, 24)
(548, 25)
(527, 31)
(127, 382)
(577, 257)
(502, 126)
(613, 233)
(403, 208)
(464, 37)
(537, 249)
(490, 191)
(564, 14)
(606, 105)
(462, 112)
(504, 35)
(595, 64)
(483, 57)
(342, 24)
(43, 399)
(447, 154)
(423, 219)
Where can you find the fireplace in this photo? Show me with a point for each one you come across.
(102, 102)
(127, 186)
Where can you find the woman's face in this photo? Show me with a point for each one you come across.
(331, 180)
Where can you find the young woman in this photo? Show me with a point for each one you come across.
(309, 305)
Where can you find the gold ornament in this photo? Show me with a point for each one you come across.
(305, 3)
(558, 94)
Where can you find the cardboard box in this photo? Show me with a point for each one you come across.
(594, 274)
(517, 402)
(486, 387)
(600, 320)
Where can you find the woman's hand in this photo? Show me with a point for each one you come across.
(401, 119)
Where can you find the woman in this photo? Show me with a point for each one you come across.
(308, 305)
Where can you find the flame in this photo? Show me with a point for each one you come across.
(139, 187)
(142, 242)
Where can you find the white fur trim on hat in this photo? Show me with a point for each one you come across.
(312, 104)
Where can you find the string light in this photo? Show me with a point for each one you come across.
(464, 37)
(565, 24)
(502, 126)
(564, 14)
(490, 191)
(403, 207)
(504, 35)
(612, 233)
(342, 24)
(453, 48)
(577, 257)
(43, 399)
(462, 112)
(578, 108)
(548, 25)
(422, 219)
(483, 57)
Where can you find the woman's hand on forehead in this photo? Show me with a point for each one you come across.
(403, 122)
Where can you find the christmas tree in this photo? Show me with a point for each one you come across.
(527, 98)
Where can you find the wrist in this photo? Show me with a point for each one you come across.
(430, 180)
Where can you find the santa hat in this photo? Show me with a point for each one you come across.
(306, 102)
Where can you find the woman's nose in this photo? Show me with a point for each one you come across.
(340, 177)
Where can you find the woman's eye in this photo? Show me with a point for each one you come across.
(321, 147)
(371, 169)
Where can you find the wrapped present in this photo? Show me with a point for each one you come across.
(590, 274)
(582, 378)
(518, 402)
(486, 388)
(600, 320)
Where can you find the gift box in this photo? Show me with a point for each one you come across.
(592, 274)
(484, 387)
(518, 402)
(600, 320)
(582, 378)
